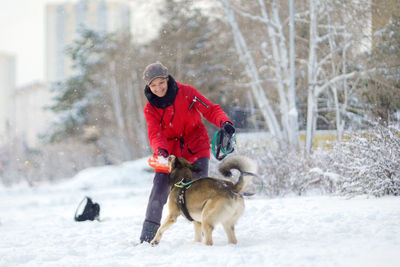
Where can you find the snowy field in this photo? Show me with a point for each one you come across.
(37, 228)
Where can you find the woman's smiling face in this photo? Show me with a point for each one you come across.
(159, 86)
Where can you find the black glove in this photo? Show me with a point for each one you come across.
(163, 152)
(228, 129)
(225, 141)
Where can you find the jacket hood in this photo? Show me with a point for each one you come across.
(165, 101)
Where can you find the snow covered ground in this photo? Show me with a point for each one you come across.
(37, 228)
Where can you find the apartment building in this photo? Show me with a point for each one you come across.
(64, 23)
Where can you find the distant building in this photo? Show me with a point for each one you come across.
(31, 116)
(7, 87)
(65, 21)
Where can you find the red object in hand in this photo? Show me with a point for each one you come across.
(158, 162)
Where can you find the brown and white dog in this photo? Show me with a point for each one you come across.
(208, 201)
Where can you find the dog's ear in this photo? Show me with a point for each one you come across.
(194, 168)
(177, 163)
(173, 163)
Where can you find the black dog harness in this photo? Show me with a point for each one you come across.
(182, 197)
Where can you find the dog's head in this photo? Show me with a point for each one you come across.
(180, 168)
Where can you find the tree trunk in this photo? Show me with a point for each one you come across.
(141, 127)
(252, 73)
(293, 131)
(117, 106)
(311, 99)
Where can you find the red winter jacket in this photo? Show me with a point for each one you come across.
(177, 127)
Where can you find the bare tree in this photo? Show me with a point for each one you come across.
(323, 45)
(252, 70)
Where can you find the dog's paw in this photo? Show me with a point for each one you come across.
(154, 242)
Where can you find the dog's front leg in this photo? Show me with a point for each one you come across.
(197, 231)
(170, 220)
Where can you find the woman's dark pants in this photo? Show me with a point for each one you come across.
(158, 198)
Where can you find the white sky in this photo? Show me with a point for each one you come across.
(22, 33)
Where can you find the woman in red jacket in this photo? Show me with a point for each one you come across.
(173, 114)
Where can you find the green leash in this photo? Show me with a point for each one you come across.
(218, 145)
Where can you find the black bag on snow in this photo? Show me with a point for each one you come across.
(90, 212)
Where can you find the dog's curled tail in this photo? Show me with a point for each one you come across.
(246, 166)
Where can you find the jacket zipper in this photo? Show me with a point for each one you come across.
(195, 99)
